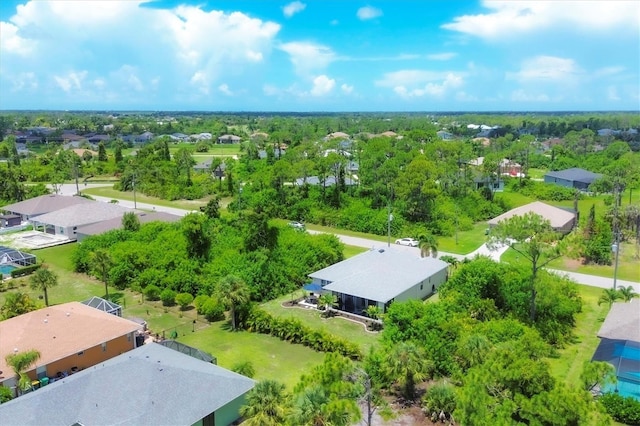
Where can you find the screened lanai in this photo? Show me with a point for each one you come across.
(10, 256)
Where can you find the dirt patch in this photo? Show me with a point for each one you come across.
(572, 264)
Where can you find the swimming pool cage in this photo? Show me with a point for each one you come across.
(12, 256)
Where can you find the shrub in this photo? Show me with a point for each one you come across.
(199, 302)
(622, 409)
(152, 292)
(168, 297)
(440, 397)
(21, 272)
(5, 394)
(245, 368)
(183, 299)
(213, 310)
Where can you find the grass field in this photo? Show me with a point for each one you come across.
(568, 366)
(468, 241)
(141, 198)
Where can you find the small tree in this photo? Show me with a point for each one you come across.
(627, 293)
(327, 301)
(428, 245)
(233, 293)
(16, 303)
(130, 222)
(608, 296)
(152, 292)
(534, 239)
(19, 363)
(101, 264)
(43, 279)
(168, 297)
(245, 368)
(184, 300)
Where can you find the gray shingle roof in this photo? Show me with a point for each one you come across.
(150, 385)
(44, 204)
(557, 216)
(379, 274)
(575, 174)
(116, 222)
(83, 214)
(622, 322)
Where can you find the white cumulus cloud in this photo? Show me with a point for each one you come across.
(346, 89)
(293, 8)
(512, 18)
(71, 81)
(224, 88)
(368, 12)
(547, 68)
(322, 85)
(307, 57)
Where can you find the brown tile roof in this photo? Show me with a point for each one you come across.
(59, 331)
(622, 322)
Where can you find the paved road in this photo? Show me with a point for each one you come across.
(590, 280)
(70, 189)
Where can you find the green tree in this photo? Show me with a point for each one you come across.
(118, 152)
(16, 303)
(627, 293)
(102, 152)
(233, 293)
(43, 279)
(440, 398)
(130, 222)
(245, 368)
(327, 301)
(314, 407)
(194, 228)
(597, 374)
(608, 296)
(20, 363)
(408, 365)
(212, 209)
(267, 404)
(184, 300)
(101, 263)
(534, 239)
(428, 245)
(185, 162)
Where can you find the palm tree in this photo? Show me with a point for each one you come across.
(428, 245)
(233, 293)
(267, 404)
(609, 295)
(101, 263)
(407, 363)
(43, 279)
(245, 368)
(16, 303)
(328, 301)
(315, 407)
(627, 293)
(19, 363)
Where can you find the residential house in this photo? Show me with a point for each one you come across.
(43, 204)
(572, 178)
(379, 277)
(66, 221)
(96, 139)
(561, 220)
(229, 139)
(620, 346)
(444, 135)
(277, 153)
(9, 220)
(336, 135)
(205, 167)
(143, 137)
(151, 385)
(329, 181)
(85, 231)
(181, 137)
(70, 337)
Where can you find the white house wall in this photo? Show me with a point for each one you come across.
(428, 286)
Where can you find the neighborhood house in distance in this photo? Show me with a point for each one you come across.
(378, 277)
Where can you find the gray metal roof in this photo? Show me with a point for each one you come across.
(44, 204)
(150, 385)
(379, 274)
(558, 217)
(575, 174)
(622, 322)
(83, 214)
(116, 222)
(102, 304)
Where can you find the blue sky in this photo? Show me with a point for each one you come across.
(320, 55)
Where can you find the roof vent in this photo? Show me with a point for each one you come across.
(381, 251)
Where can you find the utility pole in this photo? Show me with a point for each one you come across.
(389, 219)
(616, 236)
(135, 204)
(75, 172)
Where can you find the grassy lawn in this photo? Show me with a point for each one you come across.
(352, 331)
(346, 232)
(141, 198)
(627, 265)
(468, 241)
(350, 251)
(271, 357)
(215, 149)
(568, 366)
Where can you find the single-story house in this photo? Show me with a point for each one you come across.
(84, 231)
(277, 153)
(43, 204)
(329, 181)
(496, 184)
(66, 221)
(379, 277)
(620, 345)
(70, 337)
(229, 139)
(572, 178)
(151, 385)
(335, 135)
(561, 220)
(205, 166)
(444, 135)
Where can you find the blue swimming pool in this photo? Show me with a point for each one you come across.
(625, 388)
(6, 269)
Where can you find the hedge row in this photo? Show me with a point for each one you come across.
(21, 272)
(292, 330)
(623, 409)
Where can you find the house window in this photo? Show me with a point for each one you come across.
(421, 286)
(104, 346)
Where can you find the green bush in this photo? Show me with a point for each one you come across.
(184, 299)
(622, 409)
(440, 397)
(152, 292)
(168, 297)
(21, 272)
(5, 394)
(212, 310)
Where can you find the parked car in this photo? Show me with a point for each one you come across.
(298, 226)
(407, 242)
